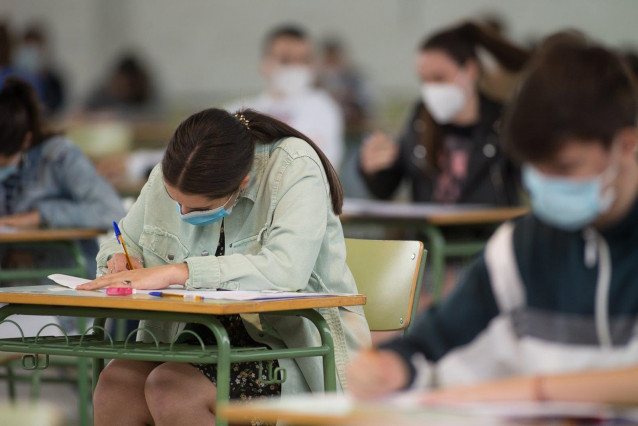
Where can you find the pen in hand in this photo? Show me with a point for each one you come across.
(120, 240)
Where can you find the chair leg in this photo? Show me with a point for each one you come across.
(35, 384)
(11, 384)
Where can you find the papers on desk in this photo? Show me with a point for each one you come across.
(240, 294)
(550, 410)
(372, 208)
(8, 229)
(68, 280)
(72, 282)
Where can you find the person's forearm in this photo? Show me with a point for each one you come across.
(618, 386)
(179, 273)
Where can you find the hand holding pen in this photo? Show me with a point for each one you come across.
(122, 261)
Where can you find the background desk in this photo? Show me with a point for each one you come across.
(55, 300)
(429, 219)
(55, 238)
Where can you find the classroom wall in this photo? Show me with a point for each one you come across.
(203, 51)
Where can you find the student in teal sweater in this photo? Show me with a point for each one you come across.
(554, 296)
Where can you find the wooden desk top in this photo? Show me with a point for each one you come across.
(333, 409)
(435, 214)
(407, 409)
(61, 296)
(41, 235)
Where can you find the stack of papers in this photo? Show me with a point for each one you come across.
(72, 282)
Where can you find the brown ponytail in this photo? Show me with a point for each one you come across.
(212, 151)
(20, 113)
(461, 42)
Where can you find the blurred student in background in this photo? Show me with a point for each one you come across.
(449, 150)
(346, 85)
(46, 181)
(32, 57)
(7, 67)
(128, 89)
(554, 296)
(288, 66)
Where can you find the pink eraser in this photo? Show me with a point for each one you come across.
(119, 291)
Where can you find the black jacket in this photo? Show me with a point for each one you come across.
(491, 179)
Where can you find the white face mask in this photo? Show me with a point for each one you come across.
(443, 100)
(292, 80)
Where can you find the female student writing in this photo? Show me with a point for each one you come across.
(45, 180)
(449, 150)
(239, 202)
(548, 311)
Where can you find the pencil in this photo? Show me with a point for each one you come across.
(118, 236)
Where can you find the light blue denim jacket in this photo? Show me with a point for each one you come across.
(282, 235)
(56, 179)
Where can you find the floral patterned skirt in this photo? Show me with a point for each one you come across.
(244, 381)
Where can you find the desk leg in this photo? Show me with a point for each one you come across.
(437, 259)
(223, 364)
(329, 369)
(98, 366)
(84, 395)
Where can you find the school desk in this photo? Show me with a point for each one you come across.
(409, 410)
(430, 219)
(55, 238)
(97, 343)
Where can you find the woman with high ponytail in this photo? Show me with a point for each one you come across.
(450, 150)
(45, 180)
(243, 202)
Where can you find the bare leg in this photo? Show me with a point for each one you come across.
(179, 394)
(119, 395)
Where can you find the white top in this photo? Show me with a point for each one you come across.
(312, 112)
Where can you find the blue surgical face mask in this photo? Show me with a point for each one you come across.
(202, 218)
(569, 204)
(7, 171)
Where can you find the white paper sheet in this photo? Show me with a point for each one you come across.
(68, 280)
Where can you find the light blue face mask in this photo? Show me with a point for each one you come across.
(568, 204)
(202, 218)
(7, 171)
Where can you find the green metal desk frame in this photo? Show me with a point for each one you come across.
(79, 270)
(440, 249)
(96, 343)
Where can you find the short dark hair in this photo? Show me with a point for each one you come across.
(573, 89)
(288, 30)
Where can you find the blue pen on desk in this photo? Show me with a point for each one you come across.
(180, 296)
(118, 237)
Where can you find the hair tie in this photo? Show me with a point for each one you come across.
(243, 120)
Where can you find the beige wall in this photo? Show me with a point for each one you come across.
(203, 50)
